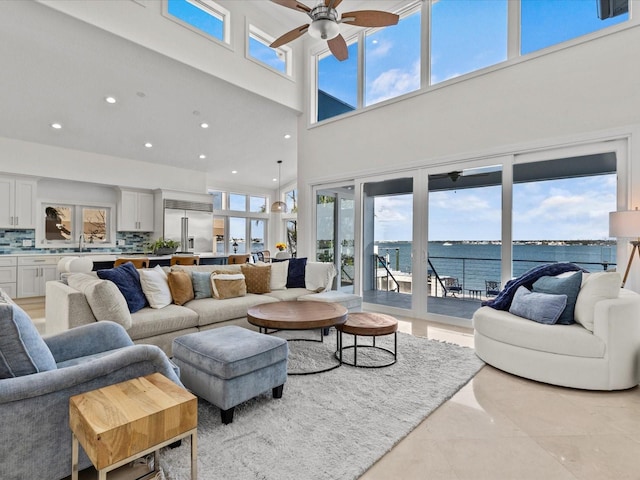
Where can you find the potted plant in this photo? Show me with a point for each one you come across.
(164, 247)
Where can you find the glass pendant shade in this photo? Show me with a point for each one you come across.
(279, 206)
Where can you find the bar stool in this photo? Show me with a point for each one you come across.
(185, 260)
(238, 259)
(138, 262)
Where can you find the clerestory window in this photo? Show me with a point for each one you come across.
(202, 16)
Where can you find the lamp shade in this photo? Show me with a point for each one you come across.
(624, 224)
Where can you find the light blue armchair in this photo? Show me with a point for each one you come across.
(35, 439)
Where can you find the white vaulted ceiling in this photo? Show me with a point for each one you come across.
(57, 68)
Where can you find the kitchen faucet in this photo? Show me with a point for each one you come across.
(80, 242)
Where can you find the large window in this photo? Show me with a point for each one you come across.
(392, 60)
(549, 22)
(202, 16)
(462, 37)
(240, 222)
(466, 35)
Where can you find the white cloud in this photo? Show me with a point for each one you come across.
(394, 82)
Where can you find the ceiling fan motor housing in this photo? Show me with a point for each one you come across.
(324, 24)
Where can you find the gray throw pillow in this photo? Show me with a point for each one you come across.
(562, 285)
(22, 349)
(539, 307)
(201, 284)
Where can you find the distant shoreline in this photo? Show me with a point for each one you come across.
(515, 242)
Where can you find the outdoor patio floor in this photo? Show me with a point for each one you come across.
(451, 306)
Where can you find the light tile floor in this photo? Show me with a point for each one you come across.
(502, 427)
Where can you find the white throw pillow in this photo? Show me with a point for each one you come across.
(279, 271)
(595, 287)
(318, 276)
(155, 286)
(104, 298)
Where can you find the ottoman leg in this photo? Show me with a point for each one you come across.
(277, 391)
(227, 415)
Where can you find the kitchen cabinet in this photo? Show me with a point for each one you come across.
(34, 272)
(17, 202)
(8, 275)
(135, 211)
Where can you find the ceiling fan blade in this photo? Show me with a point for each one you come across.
(338, 47)
(332, 3)
(301, 7)
(289, 36)
(370, 18)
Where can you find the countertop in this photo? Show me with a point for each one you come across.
(108, 256)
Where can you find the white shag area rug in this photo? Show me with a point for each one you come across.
(332, 425)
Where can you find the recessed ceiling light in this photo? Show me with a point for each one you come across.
(234, 171)
(275, 179)
(204, 125)
(287, 136)
(148, 144)
(110, 100)
(57, 126)
(202, 156)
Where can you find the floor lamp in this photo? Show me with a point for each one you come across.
(626, 225)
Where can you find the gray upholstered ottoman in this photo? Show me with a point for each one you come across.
(229, 365)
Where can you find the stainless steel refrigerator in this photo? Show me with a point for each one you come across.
(190, 223)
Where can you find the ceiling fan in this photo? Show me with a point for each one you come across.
(325, 23)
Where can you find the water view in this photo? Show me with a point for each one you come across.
(474, 262)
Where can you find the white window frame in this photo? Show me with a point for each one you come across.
(284, 51)
(210, 7)
(76, 225)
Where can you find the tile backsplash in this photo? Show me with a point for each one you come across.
(11, 242)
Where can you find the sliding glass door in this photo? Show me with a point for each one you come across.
(335, 233)
(387, 238)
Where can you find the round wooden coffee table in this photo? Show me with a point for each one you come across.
(368, 325)
(296, 315)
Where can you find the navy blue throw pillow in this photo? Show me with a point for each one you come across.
(127, 279)
(295, 274)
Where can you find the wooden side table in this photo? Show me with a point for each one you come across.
(120, 423)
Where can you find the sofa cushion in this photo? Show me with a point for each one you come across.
(181, 287)
(212, 311)
(539, 307)
(127, 280)
(225, 285)
(563, 284)
(22, 350)
(289, 294)
(155, 286)
(149, 322)
(595, 287)
(104, 298)
(257, 278)
(571, 340)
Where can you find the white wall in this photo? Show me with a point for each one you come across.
(142, 22)
(579, 92)
(34, 159)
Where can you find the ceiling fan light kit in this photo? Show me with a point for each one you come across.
(325, 24)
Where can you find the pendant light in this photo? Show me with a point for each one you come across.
(279, 206)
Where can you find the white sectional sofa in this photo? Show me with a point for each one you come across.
(601, 353)
(67, 307)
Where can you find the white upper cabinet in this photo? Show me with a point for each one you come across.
(135, 211)
(17, 202)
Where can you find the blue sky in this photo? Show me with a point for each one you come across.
(466, 35)
(566, 209)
